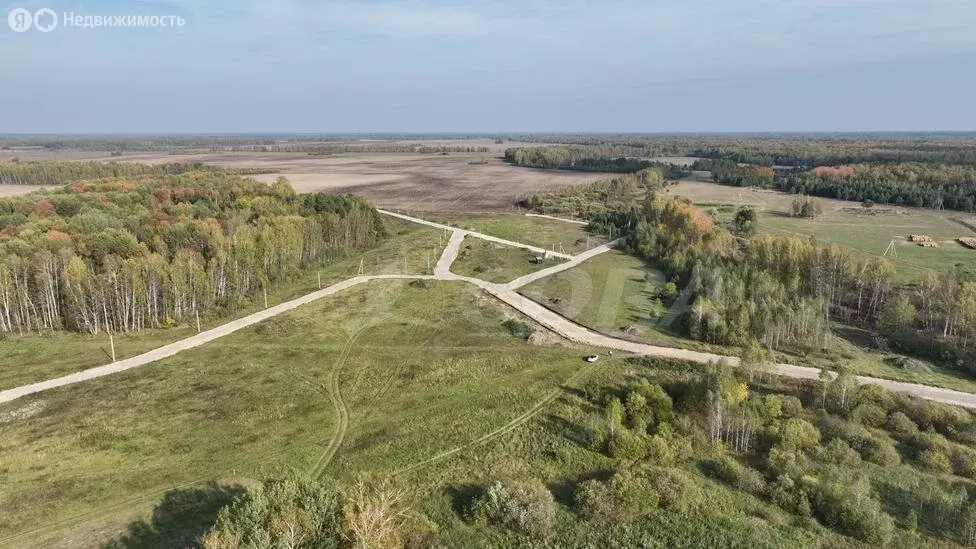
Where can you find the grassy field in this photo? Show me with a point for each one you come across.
(866, 230)
(611, 293)
(35, 357)
(496, 262)
(418, 370)
(544, 233)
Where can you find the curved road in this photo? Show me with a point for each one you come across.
(504, 292)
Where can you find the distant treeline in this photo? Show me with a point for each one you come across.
(588, 159)
(129, 253)
(728, 172)
(791, 150)
(910, 184)
(782, 150)
(588, 200)
(906, 184)
(62, 172)
(376, 148)
(165, 143)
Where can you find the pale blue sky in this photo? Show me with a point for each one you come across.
(496, 66)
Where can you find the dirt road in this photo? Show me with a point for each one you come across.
(505, 293)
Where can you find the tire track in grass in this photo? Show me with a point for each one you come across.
(508, 427)
(342, 411)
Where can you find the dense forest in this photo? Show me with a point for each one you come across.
(129, 253)
(785, 291)
(912, 184)
(778, 290)
(63, 172)
(784, 149)
(905, 184)
(588, 159)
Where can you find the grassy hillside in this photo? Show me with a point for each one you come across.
(417, 371)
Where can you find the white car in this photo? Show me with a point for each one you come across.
(592, 358)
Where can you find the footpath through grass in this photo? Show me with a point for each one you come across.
(37, 357)
(421, 368)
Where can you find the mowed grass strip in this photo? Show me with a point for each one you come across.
(550, 234)
(497, 262)
(433, 368)
(611, 293)
(37, 357)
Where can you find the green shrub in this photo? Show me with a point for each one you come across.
(901, 426)
(522, 506)
(258, 517)
(841, 507)
(964, 462)
(728, 470)
(657, 398)
(518, 329)
(868, 414)
(791, 406)
(838, 452)
(782, 461)
(789, 497)
(628, 445)
(639, 414)
(877, 451)
(751, 481)
(875, 395)
(677, 491)
(634, 492)
(598, 439)
(772, 407)
(595, 501)
(740, 476)
(798, 434)
(935, 460)
(660, 452)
